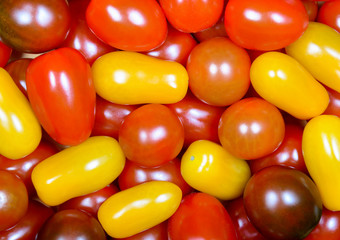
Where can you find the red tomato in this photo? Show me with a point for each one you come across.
(200, 120)
(29, 225)
(17, 70)
(151, 135)
(329, 14)
(128, 24)
(13, 200)
(251, 128)
(253, 54)
(158, 232)
(80, 37)
(5, 54)
(62, 94)
(201, 216)
(334, 102)
(218, 30)
(311, 8)
(133, 175)
(264, 25)
(192, 15)
(218, 72)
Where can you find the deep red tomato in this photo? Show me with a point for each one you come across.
(5, 54)
(62, 94)
(23, 167)
(334, 103)
(90, 203)
(201, 216)
(192, 15)
(218, 71)
(311, 8)
(329, 14)
(158, 232)
(109, 116)
(17, 70)
(264, 25)
(80, 37)
(282, 203)
(128, 24)
(176, 47)
(133, 175)
(151, 135)
(29, 225)
(251, 128)
(218, 30)
(200, 120)
(34, 25)
(288, 154)
(13, 199)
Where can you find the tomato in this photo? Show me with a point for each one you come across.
(62, 94)
(30, 224)
(137, 79)
(5, 54)
(288, 154)
(129, 25)
(158, 232)
(17, 70)
(139, 208)
(13, 201)
(218, 30)
(279, 78)
(329, 14)
(201, 216)
(71, 224)
(34, 26)
(333, 107)
(218, 71)
(262, 26)
(78, 170)
(209, 168)
(311, 8)
(253, 54)
(151, 135)
(133, 175)
(192, 15)
(251, 128)
(80, 37)
(200, 120)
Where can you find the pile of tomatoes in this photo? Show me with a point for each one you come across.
(169, 119)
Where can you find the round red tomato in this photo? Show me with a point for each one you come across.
(264, 25)
(329, 14)
(158, 232)
(251, 128)
(151, 135)
(5, 54)
(311, 8)
(17, 70)
(218, 30)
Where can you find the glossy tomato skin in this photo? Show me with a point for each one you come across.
(62, 94)
(251, 128)
(30, 224)
(17, 70)
(218, 71)
(312, 9)
(71, 224)
(158, 232)
(282, 203)
(80, 37)
(218, 30)
(36, 26)
(201, 216)
(129, 25)
(151, 135)
(200, 120)
(14, 199)
(329, 14)
(134, 174)
(333, 107)
(262, 26)
(203, 14)
(5, 54)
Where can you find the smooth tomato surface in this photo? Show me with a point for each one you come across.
(17, 70)
(158, 232)
(329, 14)
(5, 54)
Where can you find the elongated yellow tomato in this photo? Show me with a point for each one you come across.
(133, 78)
(284, 82)
(209, 168)
(318, 50)
(138, 208)
(78, 170)
(20, 131)
(321, 152)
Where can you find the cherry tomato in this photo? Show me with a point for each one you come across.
(17, 70)
(262, 25)
(282, 203)
(218, 30)
(333, 107)
(329, 14)
(151, 135)
(158, 232)
(13, 200)
(251, 128)
(201, 216)
(218, 71)
(128, 24)
(5, 54)
(62, 94)
(34, 26)
(311, 8)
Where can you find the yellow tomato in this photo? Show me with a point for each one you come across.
(318, 50)
(209, 168)
(321, 151)
(284, 82)
(139, 208)
(133, 78)
(78, 170)
(20, 131)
